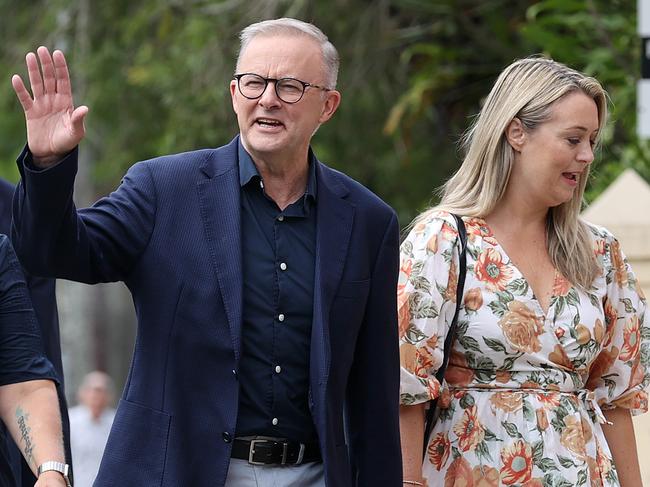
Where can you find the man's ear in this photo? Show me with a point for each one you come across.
(516, 134)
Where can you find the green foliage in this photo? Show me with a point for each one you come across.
(156, 76)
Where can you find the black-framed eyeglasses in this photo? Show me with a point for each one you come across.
(289, 90)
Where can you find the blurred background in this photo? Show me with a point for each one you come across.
(155, 75)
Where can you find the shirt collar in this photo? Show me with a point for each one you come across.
(248, 171)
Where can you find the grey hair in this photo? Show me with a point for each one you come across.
(294, 27)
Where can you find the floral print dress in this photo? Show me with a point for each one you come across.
(522, 400)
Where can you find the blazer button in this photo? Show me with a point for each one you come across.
(226, 437)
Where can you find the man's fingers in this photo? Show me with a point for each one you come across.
(77, 120)
(23, 95)
(61, 73)
(47, 66)
(35, 80)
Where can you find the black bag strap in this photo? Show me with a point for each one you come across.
(451, 334)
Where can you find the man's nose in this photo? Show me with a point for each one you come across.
(269, 96)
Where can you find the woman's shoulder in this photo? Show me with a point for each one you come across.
(436, 230)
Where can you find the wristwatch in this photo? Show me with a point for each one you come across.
(62, 468)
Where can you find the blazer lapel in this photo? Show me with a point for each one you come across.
(335, 217)
(220, 212)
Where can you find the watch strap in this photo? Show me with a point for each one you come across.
(62, 468)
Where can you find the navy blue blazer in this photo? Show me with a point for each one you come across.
(171, 232)
(43, 295)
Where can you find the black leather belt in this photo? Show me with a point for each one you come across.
(275, 451)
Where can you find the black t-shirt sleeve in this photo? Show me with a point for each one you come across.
(22, 356)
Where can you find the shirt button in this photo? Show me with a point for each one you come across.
(281, 317)
(234, 372)
(275, 421)
(283, 266)
(226, 437)
(281, 218)
(278, 369)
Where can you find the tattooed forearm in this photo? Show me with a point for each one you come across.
(22, 417)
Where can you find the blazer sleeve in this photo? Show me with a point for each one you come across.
(97, 244)
(373, 388)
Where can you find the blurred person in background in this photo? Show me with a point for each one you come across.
(90, 424)
(551, 354)
(43, 296)
(264, 282)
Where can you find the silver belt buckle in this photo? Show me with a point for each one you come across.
(251, 452)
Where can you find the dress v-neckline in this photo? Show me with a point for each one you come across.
(502, 250)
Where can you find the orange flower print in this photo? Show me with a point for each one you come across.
(611, 315)
(469, 430)
(473, 299)
(452, 284)
(459, 474)
(603, 461)
(438, 450)
(601, 366)
(419, 228)
(432, 244)
(433, 387)
(575, 435)
(637, 374)
(491, 269)
(549, 399)
(476, 227)
(508, 402)
(599, 246)
(620, 270)
(444, 401)
(458, 372)
(403, 314)
(595, 479)
(503, 376)
(447, 232)
(583, 335)
(405, 271)
(484, 476)
(517, 460)
(542, 419)
(631, 339)
(522, 327)
(559, 357)
(599, 331)
(561, 285)
(408, 356)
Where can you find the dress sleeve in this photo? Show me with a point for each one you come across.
(426, 302)
(621, 372)
(22, 356)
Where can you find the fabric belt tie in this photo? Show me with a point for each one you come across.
(264, 451)
(585, 396)
(591, 405)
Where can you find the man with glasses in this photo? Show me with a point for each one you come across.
(263, 280)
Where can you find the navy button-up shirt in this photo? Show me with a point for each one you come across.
(278, 252)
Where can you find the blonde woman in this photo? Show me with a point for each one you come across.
(551, 352)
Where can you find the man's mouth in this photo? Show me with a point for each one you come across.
(268, 122)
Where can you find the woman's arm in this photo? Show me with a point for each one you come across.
(30, 410)
(622, 444)
(411, 422)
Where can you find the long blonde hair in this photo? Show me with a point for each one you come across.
(526, 90)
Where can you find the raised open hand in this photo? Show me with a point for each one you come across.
(54, 126)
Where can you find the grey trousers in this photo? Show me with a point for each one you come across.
(243, 474)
